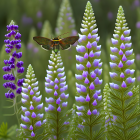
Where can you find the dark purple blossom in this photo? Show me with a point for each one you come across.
(19, 90)
(12, 63)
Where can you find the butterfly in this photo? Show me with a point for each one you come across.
(55, 43)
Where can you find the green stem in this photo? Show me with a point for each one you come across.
(16, 108)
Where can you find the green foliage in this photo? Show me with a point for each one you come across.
(73, 124)
(71, 87)
(35, 51)
(106, 73)
(108, 120)
(7, 134)
(47, 30)
(127, 112)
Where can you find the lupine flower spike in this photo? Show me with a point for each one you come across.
(65, 20)
(32, 120)
(66, 24)
(55, 87)
(121, 89)
(13, 67)
(89, 66)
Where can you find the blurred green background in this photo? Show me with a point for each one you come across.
(42, 18)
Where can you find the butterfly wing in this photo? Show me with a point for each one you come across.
(66, 43)
(45, 43)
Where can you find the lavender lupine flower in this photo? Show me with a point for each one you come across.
(110, 15)
(89, 67)
(123, 94)
(39, 25)
(39, 14)
(26, 20)
(31, 99)
(55, 87)
(123, 60)
(136, 3)
(13, 67)
(138, 24)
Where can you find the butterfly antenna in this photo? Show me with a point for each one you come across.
(63, 34)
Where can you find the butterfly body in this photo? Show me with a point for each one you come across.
(56, 43)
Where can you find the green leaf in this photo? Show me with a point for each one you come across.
(6, 133)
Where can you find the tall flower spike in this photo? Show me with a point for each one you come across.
(66, 28)
(56, 99)
(31, 100)
(121, 89)
(13, 67)
(65, 20)
(90, 70)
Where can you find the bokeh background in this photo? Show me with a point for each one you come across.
(49, 18)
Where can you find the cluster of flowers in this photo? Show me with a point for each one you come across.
(121, 55)
(89, 65)
(56, 83)
(13, 66)
(31, 98)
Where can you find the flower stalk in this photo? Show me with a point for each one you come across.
(13, 67)
(89, 67)
(55, 87)
(124, 101)
(31, 98)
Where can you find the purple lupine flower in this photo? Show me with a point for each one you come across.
(110, 15)
(124, 52)
(55, 87)
(135, 4)
(138, 24)
(39, 25)
(26, 20)
(39, 14)
(89, 68)
(13, 65)
(121, 91)
(31, 99)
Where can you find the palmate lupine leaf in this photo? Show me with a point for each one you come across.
(8, 134)
(3, 130)
(124, 99)
(73, 124)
